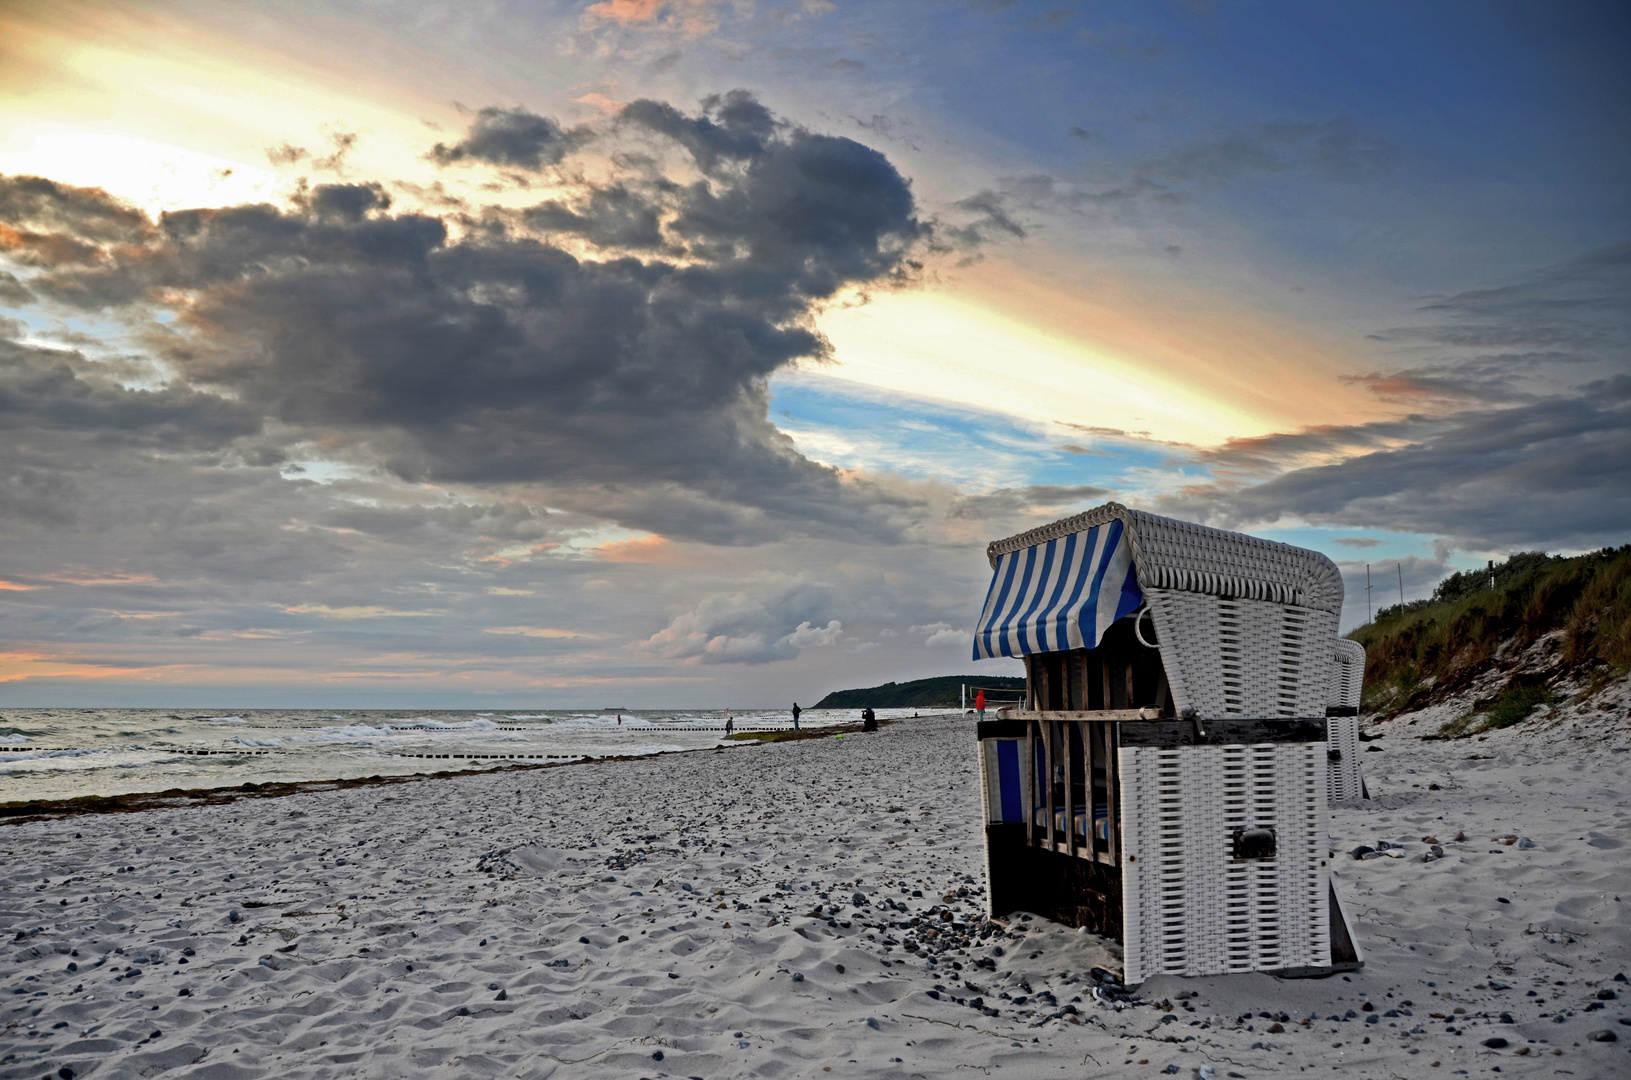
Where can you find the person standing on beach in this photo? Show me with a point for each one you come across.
(979, 702)
(796, 711)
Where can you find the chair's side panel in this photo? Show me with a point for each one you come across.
(1230, 656)
(1346, 687)
(1140, 825)
(1342, 753)
(1303, 859)
(1190, 906)
(1348, 679)
(1187, 630)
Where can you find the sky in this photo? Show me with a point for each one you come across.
(688, 353)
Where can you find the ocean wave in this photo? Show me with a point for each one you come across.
(13, 740)
(220, 719)
(7, 757)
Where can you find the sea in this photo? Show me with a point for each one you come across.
(67, 753)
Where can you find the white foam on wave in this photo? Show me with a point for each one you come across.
(7, 758)
(242, 741)
(13, 740)
(221, 720)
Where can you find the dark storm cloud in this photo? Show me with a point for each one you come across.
(515, 138)
(1554, 473)
(632, 387)
(44, 390)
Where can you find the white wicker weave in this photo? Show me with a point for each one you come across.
(1342, 732)
(1189, 907)
(1349, 680)
(1342, 779)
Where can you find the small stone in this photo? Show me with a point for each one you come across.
(1604, 1035)
(233, 916)
(503, 995)
(1602, 995)
(65, 1072)
(672, 975)
(858, 899)
(583, 941)
(1525, 842)
(798, 976)
(657, 1055)
(838, 968)
(1361, 851)
(1277, 1029)
(1502, 900)
(1495, 1043)
(872, 1022)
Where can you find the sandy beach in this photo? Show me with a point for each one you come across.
(800, 909)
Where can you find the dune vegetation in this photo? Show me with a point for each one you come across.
(1428, 650)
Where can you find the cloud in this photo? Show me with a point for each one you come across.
(1005, 503)
(1358, 541)
(515, 138)
(805, 636)
(941, 633)
(1554, 473)
(1334, 150)
(1564, 324)
(690, 18)
(742, 629)
(636, 390)
(358, 611)
(542, 632)
(992, 219)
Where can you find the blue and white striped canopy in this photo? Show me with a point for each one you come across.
(1057, 595)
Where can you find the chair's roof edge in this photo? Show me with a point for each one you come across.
(1185, 556)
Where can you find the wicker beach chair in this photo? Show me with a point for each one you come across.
(1167, 781)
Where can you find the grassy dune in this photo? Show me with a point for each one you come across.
(1428, 650)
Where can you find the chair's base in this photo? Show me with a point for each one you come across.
(1071, 891)
(1080, 892)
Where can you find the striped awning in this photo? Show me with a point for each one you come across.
(1060, 594)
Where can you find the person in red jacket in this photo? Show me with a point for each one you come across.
(979, 702)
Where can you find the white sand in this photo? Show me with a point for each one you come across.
(617, 909)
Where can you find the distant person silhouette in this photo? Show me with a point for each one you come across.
(869, 719)
(796, 711)
(979, 702)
